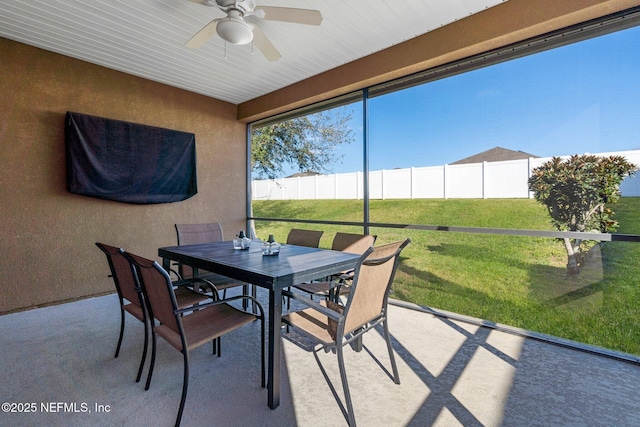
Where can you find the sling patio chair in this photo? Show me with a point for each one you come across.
(346, 242)
(189, 327)
(191, 234)
(131, 298)
(300, 237)
(334, 325)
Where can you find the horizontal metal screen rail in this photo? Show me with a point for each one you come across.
(602, 237)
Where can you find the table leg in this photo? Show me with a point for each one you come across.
(356, 344)
(245, 303)
(166, 264)
(275, 320)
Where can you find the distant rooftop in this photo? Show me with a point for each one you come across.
(496, 154)
(303, 174)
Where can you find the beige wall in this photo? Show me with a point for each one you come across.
(47, 234)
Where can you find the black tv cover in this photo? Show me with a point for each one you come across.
(128, 162)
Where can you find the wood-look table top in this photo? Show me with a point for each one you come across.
(294, 264)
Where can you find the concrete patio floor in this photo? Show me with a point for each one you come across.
(453, 373)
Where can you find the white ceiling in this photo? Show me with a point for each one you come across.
(146, 38)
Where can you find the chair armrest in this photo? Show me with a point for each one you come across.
(171, 270)
(314, 305)
(347, 275)
(221, 301)
(202, 282)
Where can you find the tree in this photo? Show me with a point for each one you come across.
(305, 143)
(577, 193)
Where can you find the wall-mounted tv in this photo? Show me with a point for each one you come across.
(128, 162)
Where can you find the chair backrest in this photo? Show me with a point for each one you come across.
(122, 274)
(352, 243)
(371, 285)
(158, 291)
(191, 234)
(310, 238)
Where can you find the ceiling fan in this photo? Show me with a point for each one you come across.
(234, 29)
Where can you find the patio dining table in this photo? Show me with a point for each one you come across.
(294, 265)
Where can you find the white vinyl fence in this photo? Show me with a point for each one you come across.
(487, 180)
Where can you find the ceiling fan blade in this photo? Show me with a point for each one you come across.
(264, 45)
(203, 35)
(289, 14)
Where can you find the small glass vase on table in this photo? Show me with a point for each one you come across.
(241, 242)
(270, 247)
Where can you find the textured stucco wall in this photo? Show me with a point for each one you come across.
(47, 234)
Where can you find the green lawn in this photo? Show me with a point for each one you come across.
(514, 280)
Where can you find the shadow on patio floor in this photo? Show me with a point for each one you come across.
(452, 373)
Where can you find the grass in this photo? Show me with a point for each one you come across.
(515, 280)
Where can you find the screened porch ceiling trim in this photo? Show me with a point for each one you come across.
(596, 27)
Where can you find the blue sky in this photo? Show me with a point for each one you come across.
(580, 98)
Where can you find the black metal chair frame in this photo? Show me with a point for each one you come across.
(145, 320)
(344, 337)
(178, 315)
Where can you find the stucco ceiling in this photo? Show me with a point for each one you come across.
(146, 38)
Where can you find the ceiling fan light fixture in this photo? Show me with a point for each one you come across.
(235, 31)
